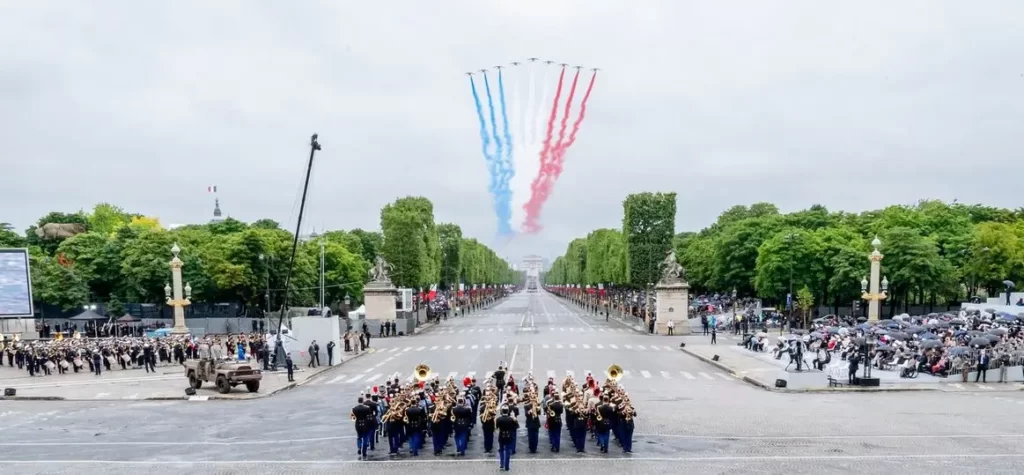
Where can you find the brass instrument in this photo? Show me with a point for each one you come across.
(614, 373)
(422, 372)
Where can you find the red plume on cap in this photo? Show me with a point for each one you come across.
(421, 385)
(375, 390)
(466, 381)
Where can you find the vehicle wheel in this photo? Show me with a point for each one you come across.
(222, 385)
(252, 386)
(194, 382)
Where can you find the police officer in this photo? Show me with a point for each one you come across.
(554, 421)
(463, 421)
(362, 415)
(507, 427)
(417, 423)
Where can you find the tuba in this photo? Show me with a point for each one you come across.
(614, 372)
(422, 372)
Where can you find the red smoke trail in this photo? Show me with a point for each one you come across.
(530, 206)
(552, 169)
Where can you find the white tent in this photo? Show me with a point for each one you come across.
(361, 311)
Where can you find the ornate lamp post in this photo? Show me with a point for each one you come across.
(177, 300)
(873, 294)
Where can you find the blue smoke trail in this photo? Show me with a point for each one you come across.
(503, 196)
(510, 167)
(485, 139)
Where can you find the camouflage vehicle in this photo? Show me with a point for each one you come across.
(225, 375)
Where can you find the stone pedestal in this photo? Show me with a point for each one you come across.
(380, 301)
(673, 304)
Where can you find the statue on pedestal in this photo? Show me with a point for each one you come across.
(379, 272)
(671, 271)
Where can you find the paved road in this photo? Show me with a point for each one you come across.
(705, 423)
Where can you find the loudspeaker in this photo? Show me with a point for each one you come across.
(780, 383)
(682, 345)
(10, 392)
(714, 358)
(868, 382)
(189, 391)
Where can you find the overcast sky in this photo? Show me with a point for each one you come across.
(854, 106)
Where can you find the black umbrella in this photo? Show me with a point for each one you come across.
(979, 341)
(931, 344)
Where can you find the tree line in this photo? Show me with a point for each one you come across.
(123, 257)
(936, 253)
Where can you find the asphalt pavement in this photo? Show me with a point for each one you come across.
(691, 416)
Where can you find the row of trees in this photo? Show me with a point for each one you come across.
(123, 257)
(935, 252)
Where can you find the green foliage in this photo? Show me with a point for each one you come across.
(934, 252)
(605, 260)
(265, 223)
(107, 219)
(648, 225)
(450, 236)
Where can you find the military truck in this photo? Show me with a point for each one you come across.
(224, 374)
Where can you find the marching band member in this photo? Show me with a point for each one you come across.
(462, 417)
(604, 418)
(554, 421)
(363, 416)
(507, 427)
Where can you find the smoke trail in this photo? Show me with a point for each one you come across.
(485, 141)
(530, 115)
(553, 168)
(565, 118)
(532, 206)
(503, 199)
(510, 169)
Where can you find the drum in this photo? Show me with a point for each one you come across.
(125, 358)
(78, 363)
(111, 360)
(50, 365)
(64, 364)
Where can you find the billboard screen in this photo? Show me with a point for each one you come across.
(15, 284)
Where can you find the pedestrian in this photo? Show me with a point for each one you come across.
(983, 361)
(312, 359)
(316, 352)
(97, 365)
(671, 325)
(291, 368)
(330, 353)
(714, 336)
(704, 324)
(507, 427)
(1004, 363)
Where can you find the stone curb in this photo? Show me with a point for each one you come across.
(762, 385)
(185, 398)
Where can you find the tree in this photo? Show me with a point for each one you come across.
(371, 242)
(145, 223)
(735, 255)
(450, 236)
(605, 257)
(805, 304)
(55, 284)
(265, 223)
(648, 225)
(995, 254)
(791, 257)
(107, 218)
(404, 246)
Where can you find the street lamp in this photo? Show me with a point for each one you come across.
(871, 291)
(267, 268)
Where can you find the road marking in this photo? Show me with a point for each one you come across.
(461, 346)
(705, 375)
(501, 346)
(586, 347)
(640, 347)
(600, 347)
(600, 329)
(513, 363)
(487, 347)
(687, 375)
(453, 374)
(355, 378)
(655, 348)
(339, 378)
(100, 395)
(614, 347)
(957, 385)
(559, 346)
(546, 346)
(406, 349)
(421, 348)
(490, 329)
(628, 347)
(474, 347)
(646, 374)
(572, 329)
(551, 373)
(392, 350)
(471, 374)
(432, 348)
(448, 347)
(561, 329)
(133, 396)
(572, 345)
(627, 373)
(501, 329)
(374, 377)
(460, 331)
(664, 374)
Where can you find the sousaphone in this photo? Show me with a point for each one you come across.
(614, 373)
(422, 372)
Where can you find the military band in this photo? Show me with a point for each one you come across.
(447, 412)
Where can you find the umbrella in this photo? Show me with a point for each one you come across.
(959, 350)
(927, 336)
(88, 315)
(998, 331)
(862, 319)
(880, 331)
(884, 347)
(933, 315)
(979, 341)
(816, 335)
(864, 326)
(931, 344)
(942, 324)
(958, 321)
(914, 329)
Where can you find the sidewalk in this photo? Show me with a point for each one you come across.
(755, 369)
(168, 384)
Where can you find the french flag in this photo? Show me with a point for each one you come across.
(211, 189)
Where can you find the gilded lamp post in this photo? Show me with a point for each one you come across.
(874, 295)
(177, 300)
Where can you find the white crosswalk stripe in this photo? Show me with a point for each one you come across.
(453, 374)
(664, 374)
(487, 347)
(559, 346)
(614, 347)
(573, 346)
(462, 346)
(646, 374)
(586, 346)
(448, 347)
(600, 346)
(421, 348)
(433, 348)
(640, 347)
(687, 375)
(474, 347)
(501, 347)
(374, 377)
(658, 375)
(356, 378)
(705, 375)
(471, 374)
(546, 346)
(337, 379)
